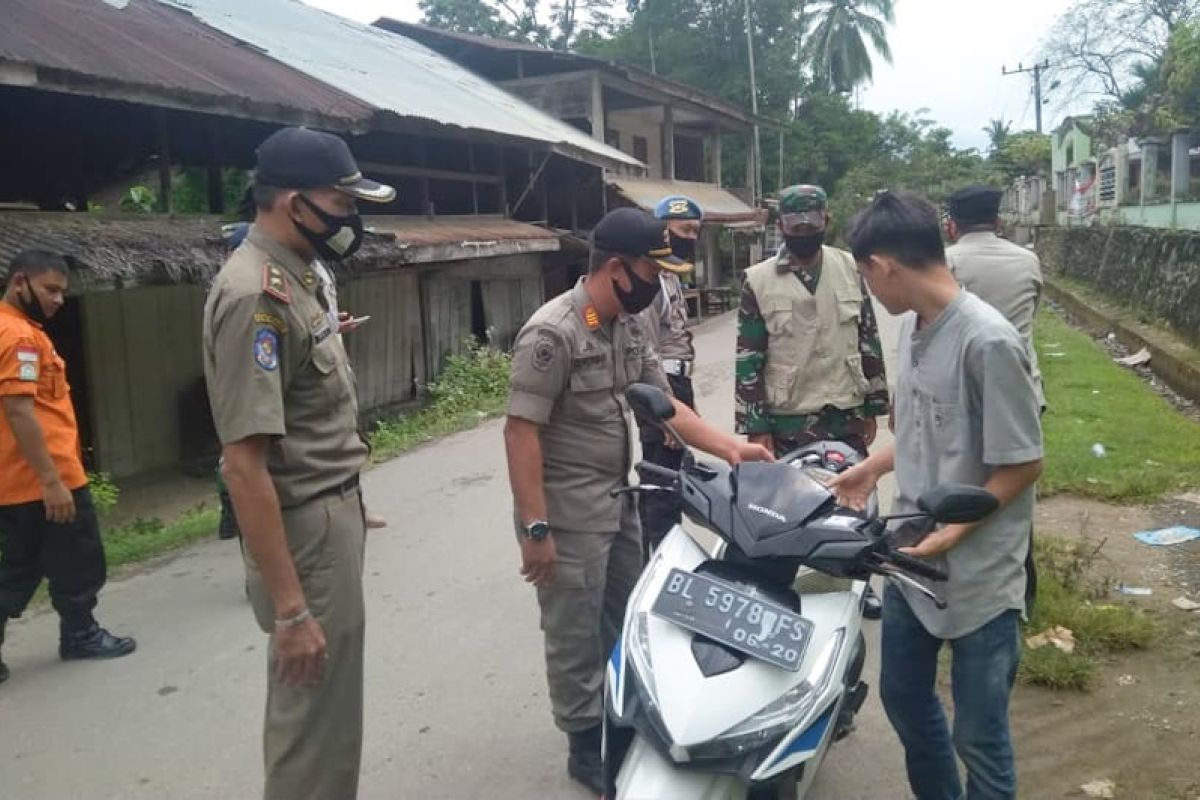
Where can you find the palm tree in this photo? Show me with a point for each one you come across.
(837, 44)
(997, 131)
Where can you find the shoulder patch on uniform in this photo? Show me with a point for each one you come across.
(270, 320)
(544, 351)
(275, 284)
(591, 317)
(266, 349)
(28, 371)
(27, 354)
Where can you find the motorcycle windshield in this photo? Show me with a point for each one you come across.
(775, 499)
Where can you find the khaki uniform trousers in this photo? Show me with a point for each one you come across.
(582, 614)
(312, 735)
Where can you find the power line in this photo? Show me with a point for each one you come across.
(1037, 70)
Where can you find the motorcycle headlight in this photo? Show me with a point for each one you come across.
(773, 721)
(637, 630)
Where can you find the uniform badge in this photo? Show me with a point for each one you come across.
(543, 352)
(27, 359)
(309, 279)
(266, 349)
(274, 284)
(591, 317)
(264, 318)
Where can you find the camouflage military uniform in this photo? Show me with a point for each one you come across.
(793, 431)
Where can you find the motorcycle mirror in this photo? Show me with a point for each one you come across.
(957, 502)
(650, 402)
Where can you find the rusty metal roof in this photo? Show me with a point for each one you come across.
(158, 54)
(719, 205)
(422, 240)
(394, 74)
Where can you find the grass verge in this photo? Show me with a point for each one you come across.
(1150, 449)
(143, 539)
(1070, 595)
(472, 388)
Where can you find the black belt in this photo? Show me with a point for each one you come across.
(344, 487)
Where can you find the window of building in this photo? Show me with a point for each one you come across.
(641, 149)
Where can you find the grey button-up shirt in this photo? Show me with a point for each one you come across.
(965, 404)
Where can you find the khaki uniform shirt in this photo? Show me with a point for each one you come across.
(1006, 276)
(569, 377)
(275, 367)
(666, 321)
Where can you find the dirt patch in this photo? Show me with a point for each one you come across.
(1140, 725)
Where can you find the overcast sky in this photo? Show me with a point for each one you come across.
(947, 57)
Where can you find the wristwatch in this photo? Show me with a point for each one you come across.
(537, 530)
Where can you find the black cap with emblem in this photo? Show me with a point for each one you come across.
(633, 232)
(300, 158)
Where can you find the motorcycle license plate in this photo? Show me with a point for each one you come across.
(750, 625)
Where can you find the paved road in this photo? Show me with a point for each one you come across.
(456, 697)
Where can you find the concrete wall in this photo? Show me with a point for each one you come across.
(646, 123)
(1156, 272)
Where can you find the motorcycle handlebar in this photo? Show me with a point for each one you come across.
(917, 566)
(654, 470)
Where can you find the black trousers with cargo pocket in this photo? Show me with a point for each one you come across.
(69, 555)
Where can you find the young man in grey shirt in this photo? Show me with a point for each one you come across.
(966, 411)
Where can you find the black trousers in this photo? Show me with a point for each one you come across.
(661, 512)
(69, 555)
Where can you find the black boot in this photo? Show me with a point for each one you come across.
(93, 642)
(872, 604)
(583, 763)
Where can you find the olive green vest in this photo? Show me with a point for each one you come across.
(813, 358)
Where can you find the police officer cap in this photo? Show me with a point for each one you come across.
(299, 158)
(677, 206)
(974, 205)
(633, 232)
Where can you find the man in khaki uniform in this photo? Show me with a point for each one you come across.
(568, 442)
(283, 401)
(665, 322)
(1005, 275)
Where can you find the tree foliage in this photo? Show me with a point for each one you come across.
(1103, 48)
(521, 20)
(837, 34)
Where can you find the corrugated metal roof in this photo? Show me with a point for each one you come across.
(392, 73)
(163, 50)
(451, 41)
(719, 205)
(466, 230)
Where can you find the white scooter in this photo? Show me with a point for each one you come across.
(736, 670)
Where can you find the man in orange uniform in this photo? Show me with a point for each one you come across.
(48, 525)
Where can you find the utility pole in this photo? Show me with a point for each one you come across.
(1037, 70)
(755, 179)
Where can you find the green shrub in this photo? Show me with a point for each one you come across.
(104, 492)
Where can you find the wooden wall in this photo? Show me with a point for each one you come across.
(387, 351)
(145, 377)
(512, 291)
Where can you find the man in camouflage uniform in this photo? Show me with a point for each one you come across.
(809, 360)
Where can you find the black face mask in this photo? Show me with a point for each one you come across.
(641, 293)
(342, 237)
(683, 248)
(805, 246)
(33, 307)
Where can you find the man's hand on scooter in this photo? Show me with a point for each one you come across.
(853, 487)
(748, 451)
